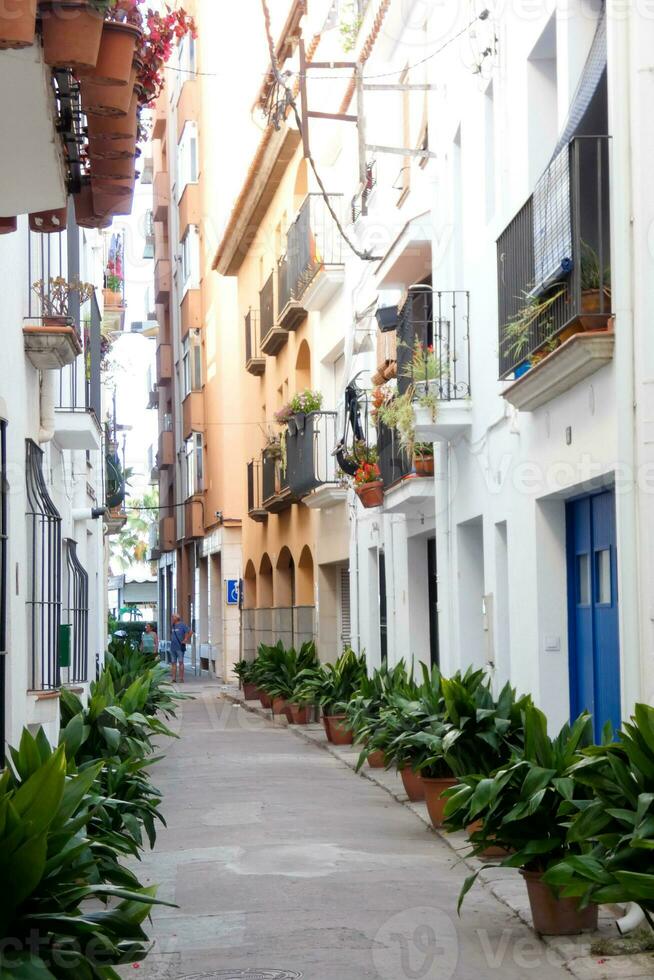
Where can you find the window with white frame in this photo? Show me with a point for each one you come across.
(187, 57)
(187, 158)
(191, 259)
(192, 362)
(194, 447)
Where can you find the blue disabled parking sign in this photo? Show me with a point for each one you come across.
(232, 592)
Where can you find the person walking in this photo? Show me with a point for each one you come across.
(180, 634)
(149, 640)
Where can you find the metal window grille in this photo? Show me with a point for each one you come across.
(44, 587)
(76, 613)
(440, 320)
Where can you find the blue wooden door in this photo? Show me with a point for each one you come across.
(594, 641)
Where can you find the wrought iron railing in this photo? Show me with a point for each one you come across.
(433, 342)
(76, 613)
(565, 223)
(252, 337)
(267, 306)
(44, 571)
(313, 243)
(310, 444)
(394, 462)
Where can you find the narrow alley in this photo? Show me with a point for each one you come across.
(284, 864)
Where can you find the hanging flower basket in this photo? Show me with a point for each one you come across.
(49, 222)
(72, 30)
(371, 494)
(116, 55)
(8, 225)
(17, 23)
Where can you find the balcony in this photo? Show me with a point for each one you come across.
(190, 211)
(153, 389)
(254, 362)
(273, 337)
(190, 311)
(161, 281)
(193, 413)
(554, 278)
(164, 364)
(433, 356)
(310, 443)
(153, 466)
(166, 452)
(160, 120)
(277, 496)
(291, 312)
(154, 550)
(167, 534)
(315, 250)
(161, 196)
(52, 343)
(113, 313)
(193, 519)
(256, 510)
(393, 462)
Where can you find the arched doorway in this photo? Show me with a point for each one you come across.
(264, 591)
(304, 625)
(250, 586)
(285, 583)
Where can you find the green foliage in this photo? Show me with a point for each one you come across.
(131, 545)
(332, 685)
(366, 708)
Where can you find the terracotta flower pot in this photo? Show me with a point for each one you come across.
(338, 730)
(112, 298)
(72, 30)
(325, 725)
(280, 707)
(48, 222)
(424, 465)
(103, 149)
(112, 197)
(118, 169)
(554, 916)
(109, 128)
(493, 850)
(377, 760)
(106, 100)
(8, 225)
(250, 692)
(413, 786)
(266, 700)
(434, 788)
(371, 494)
(17, 23)
(595, 309)
(300, 713)
(116, 54)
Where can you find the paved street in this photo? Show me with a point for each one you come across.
(281, 859)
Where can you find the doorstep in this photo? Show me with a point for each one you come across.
(574, 952)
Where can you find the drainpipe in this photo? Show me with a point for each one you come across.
(47, 407)
(620, 60)
(633, 917)
(88, 513)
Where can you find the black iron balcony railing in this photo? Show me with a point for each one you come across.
(433, 335)
(394, 463)
(267, 305)
(310, 443)
(313, 243)
(276, 493)
(563, 226)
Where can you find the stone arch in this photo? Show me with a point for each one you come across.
(285, 579)
(250, 586)
(305, 582)
(303, 367)
(265, 583)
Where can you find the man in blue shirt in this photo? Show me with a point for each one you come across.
(180, 634)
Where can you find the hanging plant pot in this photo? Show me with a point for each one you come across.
(71, 30)
(424, 465)
(371, 494)
(48, 222)
(553, 916)
(85, 216)
(112, 197)
(116, 55)
(17, 23)
(433, 789)
(412, 782)
(103, 149)
(110, 128)
(8, 225)
(104, 100)
(121, 168)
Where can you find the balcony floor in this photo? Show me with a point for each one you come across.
(412, 495)
(452, 418)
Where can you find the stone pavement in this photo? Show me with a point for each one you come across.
(283, 865)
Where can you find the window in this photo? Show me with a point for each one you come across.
(187, 57)
(192, 362)
(187, 158)
(44, 584)
(194, 447)
(76, 613)
(191, 259)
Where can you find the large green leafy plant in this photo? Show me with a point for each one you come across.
(333, 685)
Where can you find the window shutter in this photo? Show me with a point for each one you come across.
(346, 629)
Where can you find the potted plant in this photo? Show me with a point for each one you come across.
(423, 458)
(396, 413)
(520, 330)
(364, 711)
(595, 290)
(368, 484)
(71, 31)
(18, 24)
(524, 807)
(113, 290)
(54, 298)
(242, 669)
(332, 687)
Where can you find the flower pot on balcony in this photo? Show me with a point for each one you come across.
(371, 494)
(301, 713)
(51, 344)
(48, 222)
(595, 309)
(433, 789)
(553, 916)
(521, 369)
(85, 215)
(121, 168)
(106, 100)
(390, 370)
(17, 23)
(412, 782)
(116, 54)
(337, 731)
(8, 225)
(424, 465)
(112, 197)
(72, 30)
(110, 128)
(112, 298)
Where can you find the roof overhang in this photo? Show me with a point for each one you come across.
(408, 260)
(275, 152)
